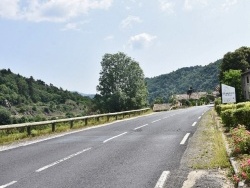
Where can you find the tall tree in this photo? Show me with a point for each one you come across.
(121, 84)
(237, 60)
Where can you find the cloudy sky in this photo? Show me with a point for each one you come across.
(63, 41)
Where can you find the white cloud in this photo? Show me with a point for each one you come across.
(191, 4)
(129, 21)
(49, 10)
(141, 41)
(74, 26)
(166, 6)
(110, 37)
(9, 9)
(228, 4)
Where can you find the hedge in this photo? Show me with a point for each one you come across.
(228, 119)
(242, 116)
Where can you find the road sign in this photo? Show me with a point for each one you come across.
(228, 94)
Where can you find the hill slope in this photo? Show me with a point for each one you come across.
(27, 99)
(201, 78)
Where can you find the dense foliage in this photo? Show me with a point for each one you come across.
(121, 84)
(27, 99)
(237, 60)
(200, 78)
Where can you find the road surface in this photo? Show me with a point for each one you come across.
(141, 152)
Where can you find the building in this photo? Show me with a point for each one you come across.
(245, 78)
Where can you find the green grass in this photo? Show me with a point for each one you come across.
(212, 152)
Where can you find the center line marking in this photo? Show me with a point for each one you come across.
(6, 185)
(114, 137)
(61, 160)
(185, 138)
(162, 180)
(140, 127)
(156, 120)
(194, 124)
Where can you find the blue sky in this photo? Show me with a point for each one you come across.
(63, 41)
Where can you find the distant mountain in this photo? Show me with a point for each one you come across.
(87, 95)
(200, 78)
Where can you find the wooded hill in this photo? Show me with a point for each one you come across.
(200, 78)
(27, 99)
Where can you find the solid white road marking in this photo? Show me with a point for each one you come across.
(140, 127)
(61, 160)
(185, 138)
(194, 124)
(162, 180)
(6, 185)
(114, 137)
(156, 120)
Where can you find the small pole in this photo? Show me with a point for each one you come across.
(53, 127)
(29, 130)
(86, 121)
(71, 124)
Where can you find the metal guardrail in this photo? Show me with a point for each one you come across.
(70, 120)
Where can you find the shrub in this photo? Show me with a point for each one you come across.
(228, 118)
(218, 109)
(227, 106)
(4, 117)
(245, 170)
(242, 116)
(241, 140)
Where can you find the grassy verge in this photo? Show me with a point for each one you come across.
(210, 151)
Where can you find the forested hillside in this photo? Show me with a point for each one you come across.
(27, 99)
(200, 78)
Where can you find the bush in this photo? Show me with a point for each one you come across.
(242, 116)
(218, 109)
(241, 140)
(5, 117)
(245, 170)
(228, 118)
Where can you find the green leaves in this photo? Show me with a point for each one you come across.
(121, 84)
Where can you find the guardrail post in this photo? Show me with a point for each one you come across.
(98, 119)
(86, 121)
(116, 117)
(29, 130)
(71, 124)
(107, 118)
(53, 127)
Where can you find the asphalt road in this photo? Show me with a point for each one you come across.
(135, 153)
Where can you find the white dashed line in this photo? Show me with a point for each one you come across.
(162, 180)
(114, 137)
(156, 120)
(165, 117)
(199, 117)
(194, 124)
(140, 127)
(6, 185)
(185, 138)
(62, 160)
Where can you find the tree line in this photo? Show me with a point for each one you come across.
(122, 86)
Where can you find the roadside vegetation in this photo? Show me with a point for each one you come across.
(236, 122)
(209, 151)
